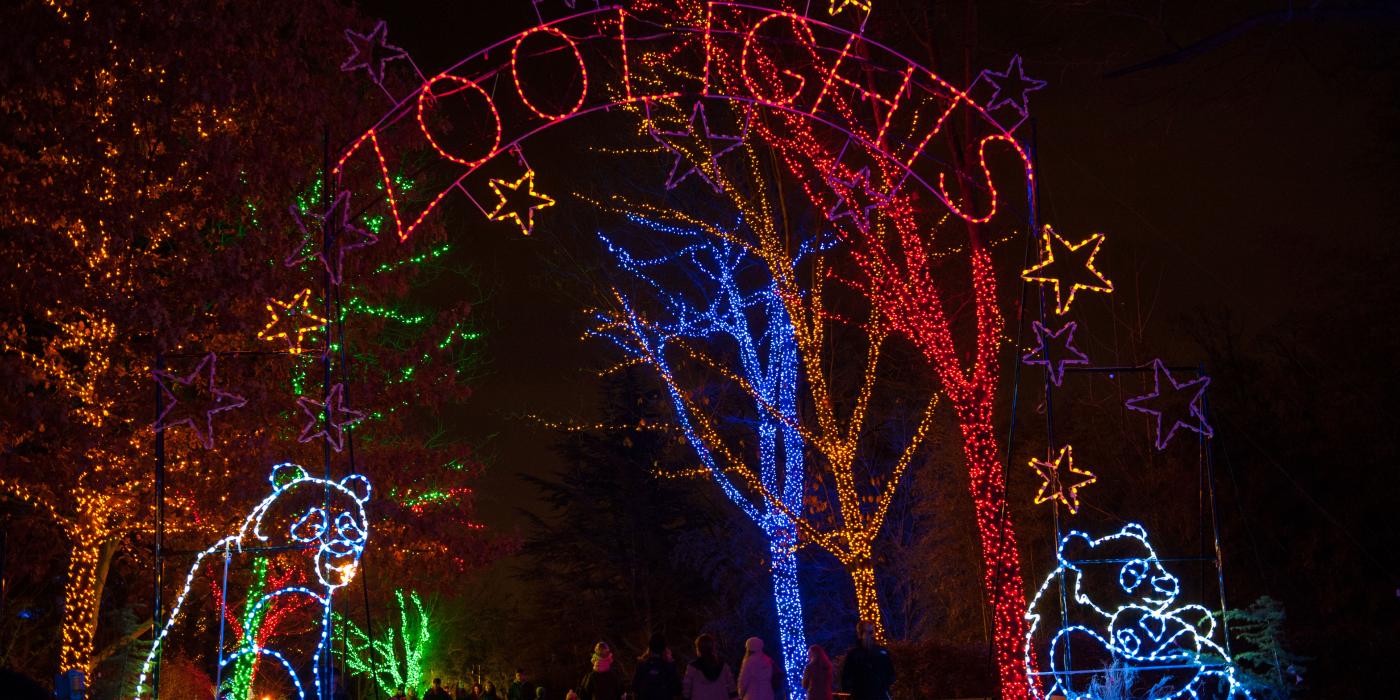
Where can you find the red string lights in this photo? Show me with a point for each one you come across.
(894, 258)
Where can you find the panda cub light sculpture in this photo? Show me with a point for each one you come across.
(1127, 617)
(320, 519)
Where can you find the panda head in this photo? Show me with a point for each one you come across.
(1117, 570)
(326, 517)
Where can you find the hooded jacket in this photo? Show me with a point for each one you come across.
(603, 681)
(707, 679)
(756, 674)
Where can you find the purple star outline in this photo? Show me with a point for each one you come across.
(842, 209)
(1019, 85)
(1054, 350)
(372, 51)
(224, 401)
(698, 113)
(336, 414)
(1143, 404)
(349, 238)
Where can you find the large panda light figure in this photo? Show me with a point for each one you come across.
(1121, 609)
(324, 522)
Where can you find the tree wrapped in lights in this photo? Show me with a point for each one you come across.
(731, 317)
(838, 430)
(899, 271)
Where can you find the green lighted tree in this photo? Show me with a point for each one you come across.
(1267, 666)
(395, 658)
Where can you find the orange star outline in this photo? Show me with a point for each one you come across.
(526, 224)
(1049, 473)
(1052, 239)
(298, 306)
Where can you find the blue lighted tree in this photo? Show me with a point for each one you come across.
(706, 302)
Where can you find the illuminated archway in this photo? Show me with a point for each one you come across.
(805, 71)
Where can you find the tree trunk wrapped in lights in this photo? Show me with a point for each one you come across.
(746, 321)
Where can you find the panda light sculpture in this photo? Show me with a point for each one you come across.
(1129, 617)
(325, 522)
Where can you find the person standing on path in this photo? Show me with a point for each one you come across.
(437, 692)
(656, 677)
(520, 687)
(707, 677)
(868, 672)
(756, 673)
(817, 678)
(603, 681)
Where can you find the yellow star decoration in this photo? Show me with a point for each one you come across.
(513, 194)
(1068, 265)
(838, 6)
(297, 311)
(1050, 475)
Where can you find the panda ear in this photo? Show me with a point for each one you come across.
(285, 473)
(1134, 530)
(358, 486)
(1075, 547)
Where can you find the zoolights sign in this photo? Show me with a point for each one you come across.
(801, 83)
(492, 101)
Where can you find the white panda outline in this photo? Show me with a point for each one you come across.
(1124, 643)
(349, 541)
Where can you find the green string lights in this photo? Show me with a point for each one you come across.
(395, 659)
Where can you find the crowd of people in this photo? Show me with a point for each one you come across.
(866, 673)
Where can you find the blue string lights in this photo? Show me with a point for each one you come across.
(744, 315)
(337, 541)
(1127, 617)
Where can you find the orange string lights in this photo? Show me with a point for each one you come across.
(291, 321)
(1053, 486)
(1068, 267)
(518, 201)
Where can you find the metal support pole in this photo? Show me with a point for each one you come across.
(159, 543)
(327, 243)
(1214, 519)
(223, 615)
